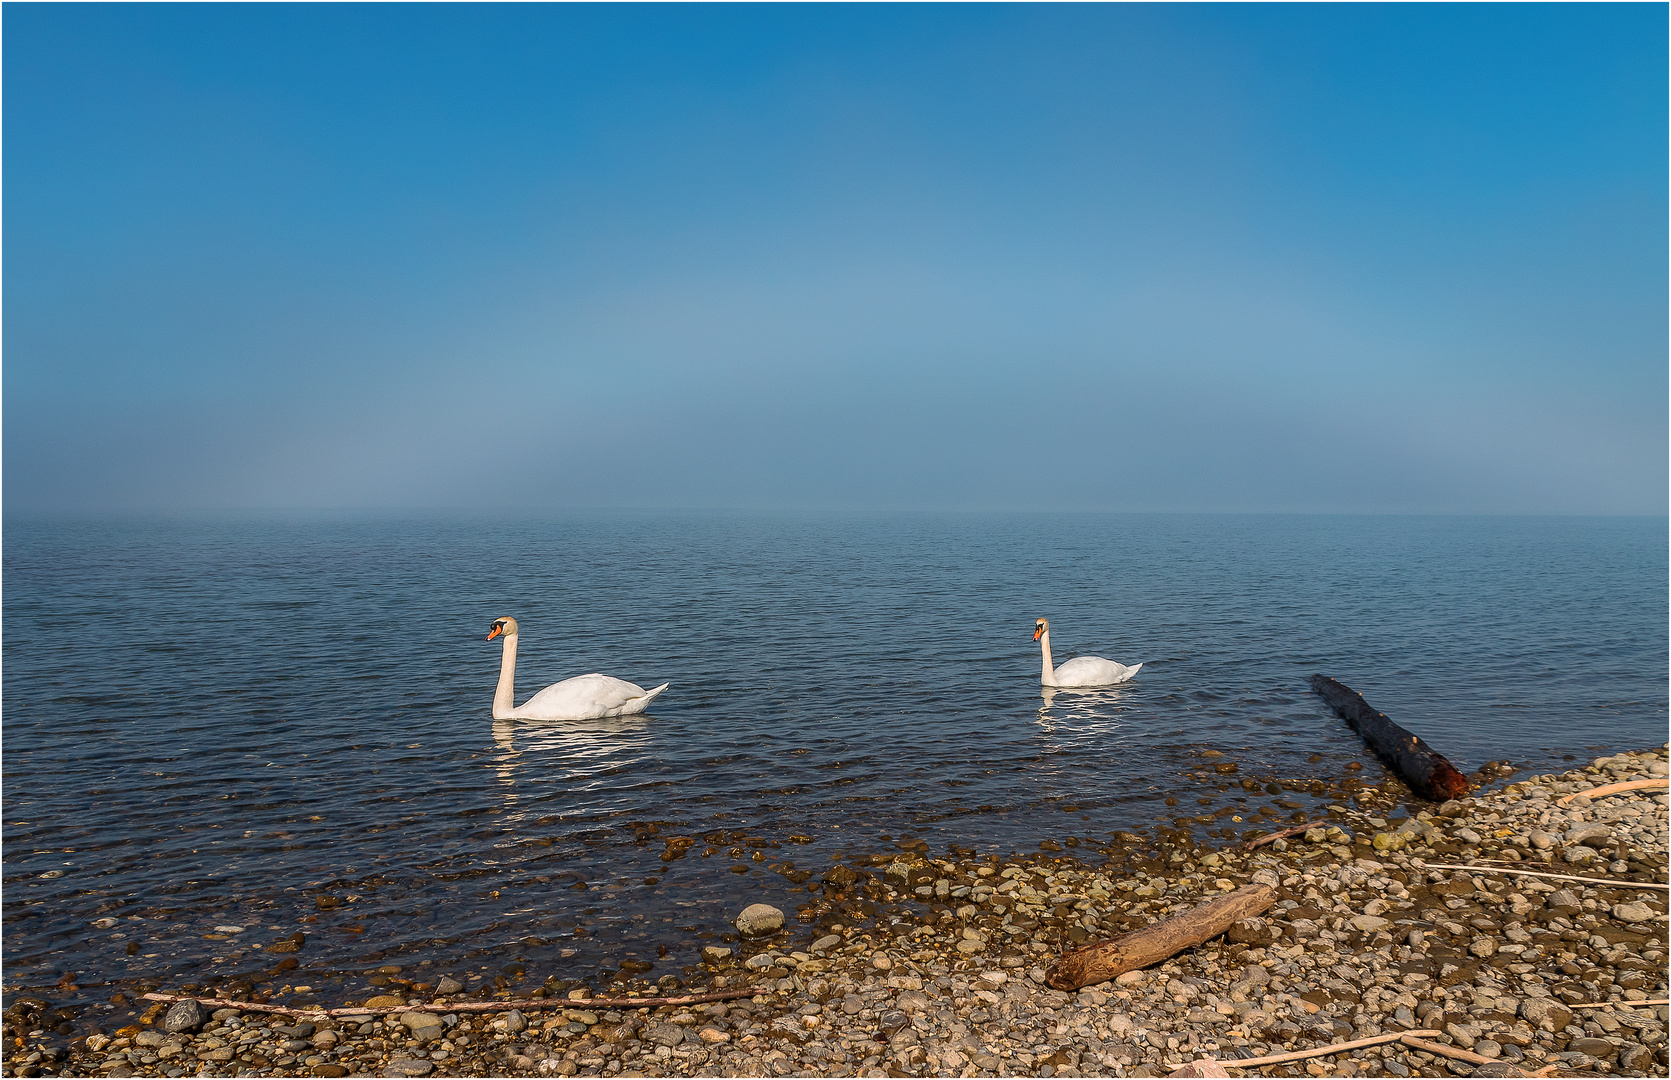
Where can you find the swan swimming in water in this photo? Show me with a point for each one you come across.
(1081, 670)
(584, 697)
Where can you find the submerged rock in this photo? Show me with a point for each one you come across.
(758, 920)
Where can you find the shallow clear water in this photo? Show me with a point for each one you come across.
(215, 721)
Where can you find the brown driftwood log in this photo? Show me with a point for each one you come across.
(528, 1004)
(1423, 767)
(1102, 960)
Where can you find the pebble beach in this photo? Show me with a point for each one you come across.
(1392, 915)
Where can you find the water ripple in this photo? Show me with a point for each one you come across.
(264, 721)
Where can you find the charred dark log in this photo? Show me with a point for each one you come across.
(1424, 768)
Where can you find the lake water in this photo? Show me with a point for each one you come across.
(283, 723)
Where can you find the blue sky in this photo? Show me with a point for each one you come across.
(1362, 258)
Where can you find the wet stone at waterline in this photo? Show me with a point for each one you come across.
(184, 1016)
(757, 920)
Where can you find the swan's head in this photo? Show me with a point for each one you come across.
(506, 626)
(1041, 628)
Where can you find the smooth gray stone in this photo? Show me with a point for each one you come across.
(185, 1015)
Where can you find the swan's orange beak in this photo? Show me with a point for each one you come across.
(1038, 632)
(493, 633)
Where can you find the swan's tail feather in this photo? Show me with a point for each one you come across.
(638, 705)
(1131, 672)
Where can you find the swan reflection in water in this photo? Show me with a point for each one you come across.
(564, 760)
(1073, 714)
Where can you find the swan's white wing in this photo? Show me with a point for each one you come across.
(587, 697)
(1093, 671)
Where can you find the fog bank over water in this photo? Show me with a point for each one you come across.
(1337, 259)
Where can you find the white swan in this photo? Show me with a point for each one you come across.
(1081, 670)
(584, 697)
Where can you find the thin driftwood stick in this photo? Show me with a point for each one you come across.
(1319, 1051)
(1102, 960)
(1614, 789)
(470, 1006)
(1280, 834)
(1409, 1039)
(1610, 882)
(1621, 1004)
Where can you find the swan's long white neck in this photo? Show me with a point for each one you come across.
(504, 696)
(1049, 676)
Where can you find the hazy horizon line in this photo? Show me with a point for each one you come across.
(552, 511)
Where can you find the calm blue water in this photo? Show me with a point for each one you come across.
(214, 721)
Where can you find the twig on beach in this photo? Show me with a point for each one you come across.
(471, 1006)
(1621, 1004)
(1413, 1039)
(1281, 834)
(1614, 789)
(1409, 1039)
(1611, 882)
(1204, 1067)
(1102, 960)
(1319, 1051)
